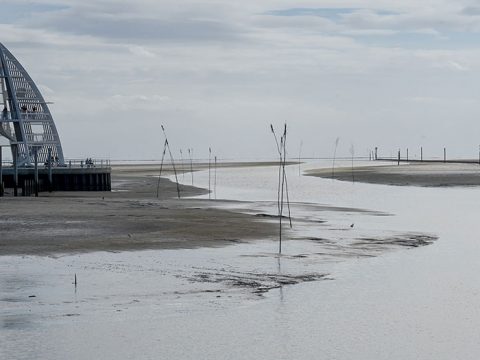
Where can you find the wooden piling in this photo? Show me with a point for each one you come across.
(1, 172)
(36, 171)
(50, 179)
(15, 169)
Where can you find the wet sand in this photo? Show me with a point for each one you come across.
(128, 218)
(131, 217)
(415, 174)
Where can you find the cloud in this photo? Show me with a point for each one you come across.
(136, 101)
(141, 51)
(389, 20)
(456, 66)
(149, 22)
(471, 10)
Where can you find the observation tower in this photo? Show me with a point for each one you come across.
(37, 156)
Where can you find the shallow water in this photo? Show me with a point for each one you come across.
(399, 303)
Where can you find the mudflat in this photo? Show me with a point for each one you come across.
(131, 217)
(414, 174)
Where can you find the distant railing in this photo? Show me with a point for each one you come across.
(87, 163)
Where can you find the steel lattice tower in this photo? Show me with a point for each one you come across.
(25, 118)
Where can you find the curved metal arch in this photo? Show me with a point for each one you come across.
(26, 119)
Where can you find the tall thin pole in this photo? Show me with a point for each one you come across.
(279, 149)
(334, 156)
(174, 169)
(352, 152)
(444, 154)
(285, 175)
(172, 160)
(215, 179)
(283, 184)
(421, 153)
(161, 166)
(209, 171)
(190, 153)
(284, 139)
(183, 169)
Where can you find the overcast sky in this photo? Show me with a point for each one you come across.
(392, 74)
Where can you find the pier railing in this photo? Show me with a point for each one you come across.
(87, 163)
(69, 163)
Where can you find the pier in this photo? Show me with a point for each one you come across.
(26, 181)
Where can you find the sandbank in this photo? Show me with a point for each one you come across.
(130, 217)
(414, 174)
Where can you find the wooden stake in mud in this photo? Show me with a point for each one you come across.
(283, 184)
(190, 154)
(352, 152)
(407, 154)
(161, 165)
(215, 179)
(444, 154)
(398, 157)
(183, 169)
(167, 145)
(334, 156)
(209, 172)
(279, 149)
(421, 153)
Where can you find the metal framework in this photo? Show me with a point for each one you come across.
(25, 119)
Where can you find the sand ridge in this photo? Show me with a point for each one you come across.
(414, 174)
